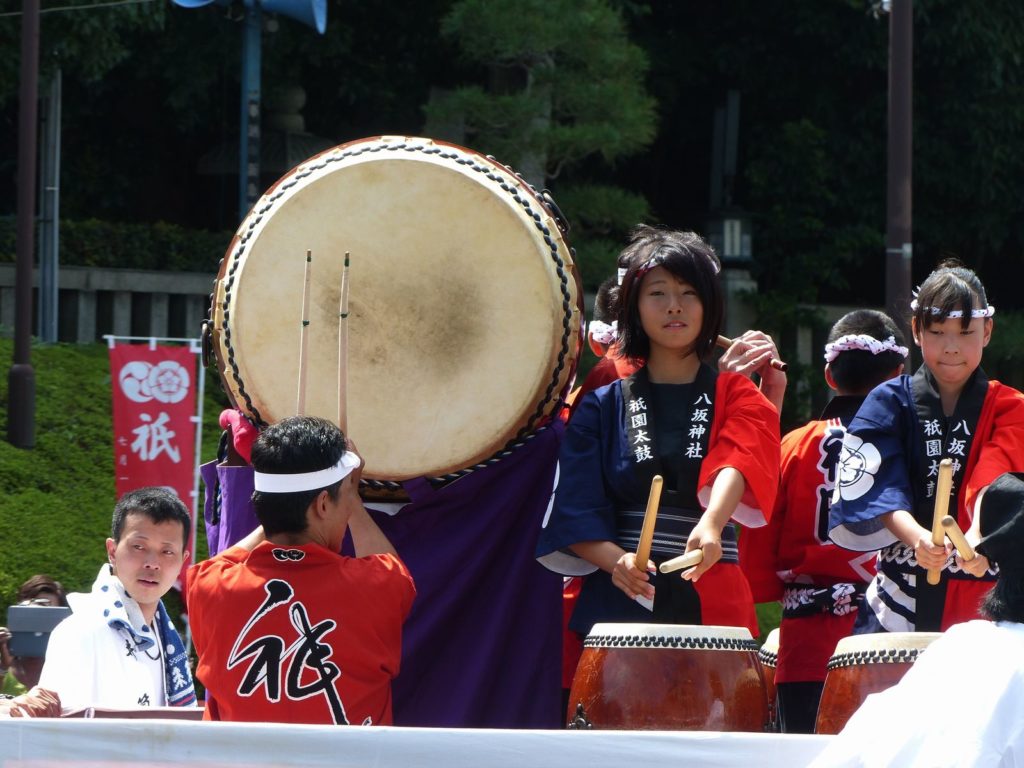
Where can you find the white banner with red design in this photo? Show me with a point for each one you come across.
(155, 418)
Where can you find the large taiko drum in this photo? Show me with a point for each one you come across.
(668, 677)
(464, 303)
(862, 665)
(768, 655)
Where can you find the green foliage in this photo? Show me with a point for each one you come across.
(582, 93)
(600, 216)
(88, 41)
(58, 497)
(159, 246)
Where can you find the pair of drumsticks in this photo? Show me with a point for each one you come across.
(943, 524)
(643, 548)
(300, 400)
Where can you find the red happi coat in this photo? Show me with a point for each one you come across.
(299, 634)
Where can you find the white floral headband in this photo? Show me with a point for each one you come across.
(975, 313)
(603, 333)
(863, 342)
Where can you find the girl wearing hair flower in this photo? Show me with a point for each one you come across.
(947, 409)
(791, 559)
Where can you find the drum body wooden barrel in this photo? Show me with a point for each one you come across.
(668, 677)
(862, 665)
(768, 655)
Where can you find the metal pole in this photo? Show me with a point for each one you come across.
(249, 128)
(49, 211)
(21, 378)
(898, 235)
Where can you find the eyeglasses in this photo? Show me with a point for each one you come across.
(37, 601)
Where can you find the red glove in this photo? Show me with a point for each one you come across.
(243, 431)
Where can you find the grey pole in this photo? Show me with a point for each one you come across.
(898, 233)
(21, 404)
(49, 214)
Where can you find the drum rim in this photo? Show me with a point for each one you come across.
(879, 641)
(525, 195)
(881, 648)
(681, 636)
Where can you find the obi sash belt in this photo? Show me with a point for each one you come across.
(936, 437)
(837, 599)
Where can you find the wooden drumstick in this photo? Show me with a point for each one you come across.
(343, 349)
(690, 559)
(643, 547)
(725, 342)
(957, 537)
(300, 400)
(943, 486)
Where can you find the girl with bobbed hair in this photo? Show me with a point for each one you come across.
(712, 436)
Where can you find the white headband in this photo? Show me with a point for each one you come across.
(306, 481)
(975, 313)
(863, 342)
(621, 274)
(603, 333)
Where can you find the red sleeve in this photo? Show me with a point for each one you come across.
(745, 436)
(198, 577)
(1002, 424)
(759, 547)
(608, 369)
(389, 581)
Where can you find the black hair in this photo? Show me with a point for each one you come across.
(858, 370)
(951, 287)
(1005, 601)
(294, 445)
(41, 584)
(687, 257)
(158, 504)
(606, 302)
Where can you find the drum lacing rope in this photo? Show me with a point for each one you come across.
(692, 643)
(769, 658)
(878, 656)
(528, 431)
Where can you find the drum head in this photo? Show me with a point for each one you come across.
(464, 305)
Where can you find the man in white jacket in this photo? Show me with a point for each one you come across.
(119, 648)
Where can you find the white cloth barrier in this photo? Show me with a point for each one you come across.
(106, 743)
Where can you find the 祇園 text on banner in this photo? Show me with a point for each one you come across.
(154, 401)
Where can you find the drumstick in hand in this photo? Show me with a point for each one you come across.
(643, 547)
(942, 488)
(300, 400)
(690, 559)
(343, 350)
(957, 537)
(725, 342)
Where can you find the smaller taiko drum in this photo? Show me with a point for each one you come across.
(768, 655)
(862, 665)
(668, 677)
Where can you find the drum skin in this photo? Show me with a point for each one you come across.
(862, 665)
(668, 677)
(768, 655)
(464, 303)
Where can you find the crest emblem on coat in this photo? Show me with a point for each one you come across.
(858, 464)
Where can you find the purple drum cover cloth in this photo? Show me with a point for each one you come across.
(235, 519)
(482, 646)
